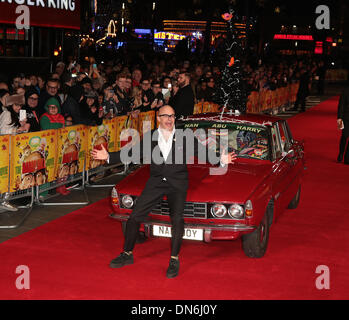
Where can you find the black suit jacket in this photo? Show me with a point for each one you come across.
(174, 169)
(183, 104)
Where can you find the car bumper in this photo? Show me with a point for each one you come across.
(211, 232)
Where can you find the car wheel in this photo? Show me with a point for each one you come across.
(255, 243)
(294, 202)
(141, 237)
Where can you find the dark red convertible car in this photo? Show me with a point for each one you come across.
(245, 201)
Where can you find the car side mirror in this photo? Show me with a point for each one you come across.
(287, 147)
(288, 154)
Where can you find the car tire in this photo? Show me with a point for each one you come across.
(255, 243)
(294, 202)
(141, 237)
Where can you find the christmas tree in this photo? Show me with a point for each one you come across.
(231, 92)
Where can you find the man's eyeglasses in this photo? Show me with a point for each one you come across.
(53, 88)
(168, 116)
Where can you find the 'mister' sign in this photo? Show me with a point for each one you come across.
(45, 13)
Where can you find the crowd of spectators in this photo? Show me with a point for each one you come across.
(88, 92)
(277, 75)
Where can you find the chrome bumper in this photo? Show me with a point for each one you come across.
(207, 227)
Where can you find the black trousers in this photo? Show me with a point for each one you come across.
(301, 100)
(149, 198)
(344, 147)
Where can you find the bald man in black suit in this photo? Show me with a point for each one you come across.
(166, 178)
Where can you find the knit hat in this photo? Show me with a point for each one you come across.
(52, 101)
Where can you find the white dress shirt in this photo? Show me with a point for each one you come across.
(165, 146)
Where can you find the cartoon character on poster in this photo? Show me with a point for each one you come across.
(126, 133)
(146, 122)
(32, 160)
(70, 155)
(111, 125)
(101, 136)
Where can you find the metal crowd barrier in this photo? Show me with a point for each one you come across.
(79, 181)
(55, 184)
(17, 195)
(103, 169)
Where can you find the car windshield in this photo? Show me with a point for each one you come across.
(247, 141)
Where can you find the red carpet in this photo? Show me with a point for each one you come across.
(69, 257)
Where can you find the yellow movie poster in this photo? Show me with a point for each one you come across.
(71, 150)
(33, 159)
(111, 125)
(4, 163)
(124, 134)
(97, 136)
(146, 122)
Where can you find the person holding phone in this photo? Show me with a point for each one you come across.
(10, 122)
(94, 73)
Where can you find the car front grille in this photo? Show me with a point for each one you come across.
(191, 209)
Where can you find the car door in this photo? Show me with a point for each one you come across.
(283, 168)
(293, 158)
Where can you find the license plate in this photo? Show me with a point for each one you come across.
(189, 233)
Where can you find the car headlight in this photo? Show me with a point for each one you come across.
(219, 210)
(236, 211)
(127, 201)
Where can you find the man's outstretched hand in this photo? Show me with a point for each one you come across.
(227, 158)
(100, 154)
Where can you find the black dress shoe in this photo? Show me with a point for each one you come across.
(340, 158)
(122, 260)
(173, 268)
